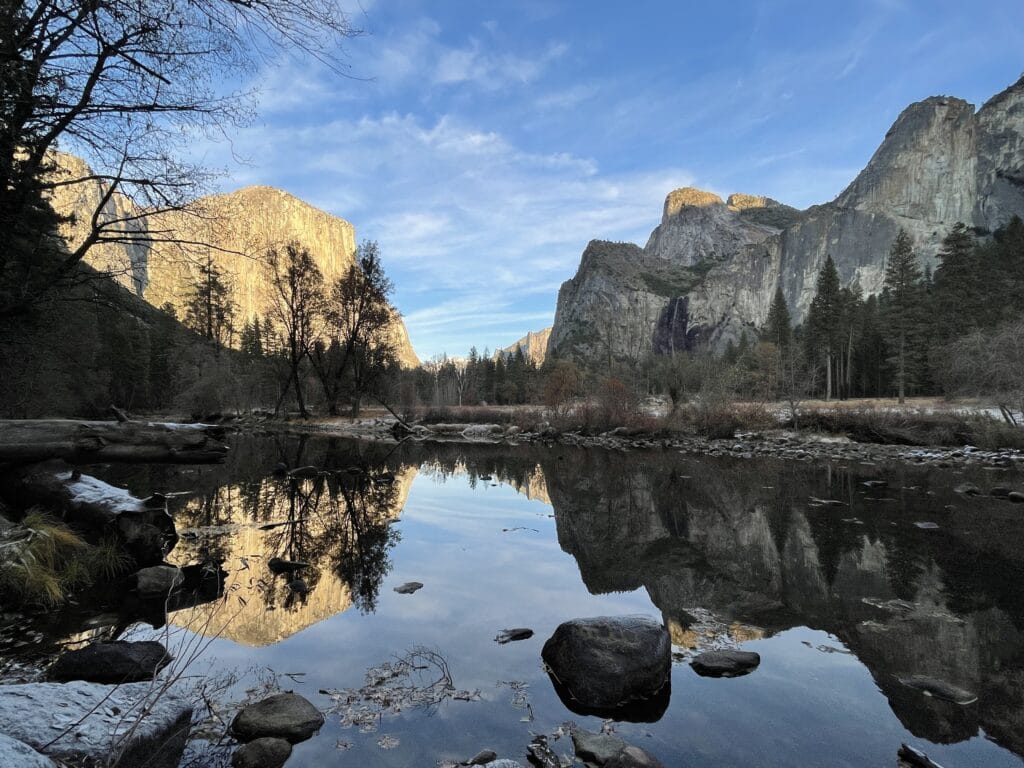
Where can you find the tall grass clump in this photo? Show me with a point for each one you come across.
(42, 561)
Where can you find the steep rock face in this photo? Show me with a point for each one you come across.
(534, 345)
(124, 262)
(940, 163)
(235, 230)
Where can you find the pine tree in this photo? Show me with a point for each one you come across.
(902, 294)
(778, 327)
(957, 286)
(824, 322)
(209, 310)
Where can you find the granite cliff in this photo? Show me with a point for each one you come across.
(534, 345)
(235, 230)
(711, 267)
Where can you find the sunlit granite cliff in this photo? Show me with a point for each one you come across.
(233, 230)
(710, 269)
(534, 345)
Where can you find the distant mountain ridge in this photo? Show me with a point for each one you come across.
(711, 267)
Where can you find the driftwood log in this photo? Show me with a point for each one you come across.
(143, 526)
(82, 442)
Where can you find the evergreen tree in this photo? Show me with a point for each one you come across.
(824, 322)
(902, 294)
(209, 310)
(957, 286)
(778, 327)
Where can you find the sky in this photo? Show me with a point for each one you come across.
(483, 144)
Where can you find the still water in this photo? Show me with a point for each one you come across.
(831, 580)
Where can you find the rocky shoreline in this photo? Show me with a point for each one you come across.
(773, 444)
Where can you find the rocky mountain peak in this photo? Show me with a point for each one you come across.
(739, 201)
(689, 197)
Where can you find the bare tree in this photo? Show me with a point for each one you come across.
(125, 84)
(298, 311)
(988, 363)
(360, 319)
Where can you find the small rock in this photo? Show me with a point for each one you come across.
(968, 489)
(725, 663)
(633, 757)
(1000, 492)
(915, 758)
(940, 689)
(596, 748)
(158, 580)
(266, 752)
(284, 715)
(280, 565)
(927, 525)
(1016, 497)
(503, 763)
(408, 588)
(114, 662)
(483, 757)
(511, 635)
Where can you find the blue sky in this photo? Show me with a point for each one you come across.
(483, 144)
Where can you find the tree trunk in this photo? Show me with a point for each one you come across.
(27, 441)
(828, 373)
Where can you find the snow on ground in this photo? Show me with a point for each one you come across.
(89, 490)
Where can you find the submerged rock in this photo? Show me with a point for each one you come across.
(511, 635)
(284, 715)
(940, 689)
(265, 752)
(606, 662)
(632, 756)
(133, 724)
(1016, 496)
(968, 489)
(280, 565)
(408, 588)
(483, 757)
(596, 748)
(915, 758)
(158, 580)
(725, 663)
(114, 662)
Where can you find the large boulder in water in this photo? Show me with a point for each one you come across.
(606, 663)
(115, 662)
(285, 716)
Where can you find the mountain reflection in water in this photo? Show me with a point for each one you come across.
(727, 551)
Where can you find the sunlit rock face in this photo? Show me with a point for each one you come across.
(127, 263)
(316, 522)
(534, 345)
(940, 163)
(233, 230)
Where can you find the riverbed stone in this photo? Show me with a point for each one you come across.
(632, 756)
(727, 663)
(283, 715)
(1016, 497)
(18, 754)
(78, 722)
(503, 763)
(483, 757)
(265, 752)
(114, 662)
(158, 580)
(607, 661)
(596, 748)
(939, 689)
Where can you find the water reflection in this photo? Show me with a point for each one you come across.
(727, 551)
(336, 524)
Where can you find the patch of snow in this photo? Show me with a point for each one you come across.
(174, 425)
(89, 490)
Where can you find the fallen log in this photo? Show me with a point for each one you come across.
(143, 526)
(83, 442)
